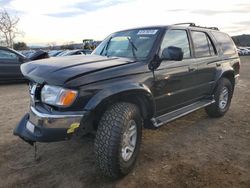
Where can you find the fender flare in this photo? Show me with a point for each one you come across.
(118, 89)
(223, 73)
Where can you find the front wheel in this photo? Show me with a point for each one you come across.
(222, 95)
(118, 139)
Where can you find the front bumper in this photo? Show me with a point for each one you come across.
(43, 126)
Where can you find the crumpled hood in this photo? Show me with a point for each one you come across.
(59, 70)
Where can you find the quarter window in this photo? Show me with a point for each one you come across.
(225, 42)
(177, 38)
(203, 46)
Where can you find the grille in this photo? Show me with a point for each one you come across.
(34, 90)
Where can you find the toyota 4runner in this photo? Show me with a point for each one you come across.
(143, 77)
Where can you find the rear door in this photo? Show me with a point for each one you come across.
(207, 59)
(9, 66)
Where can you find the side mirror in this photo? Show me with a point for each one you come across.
(172, 53)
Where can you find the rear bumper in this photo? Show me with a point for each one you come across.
(41, 126)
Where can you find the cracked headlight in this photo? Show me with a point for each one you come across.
(58, 96)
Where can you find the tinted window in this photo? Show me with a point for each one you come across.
(7, 55)
(202, 44)
(225, 42)
(177, 38)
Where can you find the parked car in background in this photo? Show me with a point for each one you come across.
(54, 53)
(75, 52)
(248, 48)
(39, 54)
(244, 50)
(239, 51)
(27, 53)
(10, 61)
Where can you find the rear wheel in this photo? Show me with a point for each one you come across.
(118, 139)
(222, 95)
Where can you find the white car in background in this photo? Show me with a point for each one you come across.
(244, 50)
(239, 51)
(248, 48)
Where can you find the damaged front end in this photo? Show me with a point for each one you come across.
(42, 124)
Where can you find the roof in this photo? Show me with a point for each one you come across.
(178, 25)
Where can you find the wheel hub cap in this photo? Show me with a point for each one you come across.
(223, 98)
(129, 140)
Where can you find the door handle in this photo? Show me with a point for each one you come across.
(218, 64)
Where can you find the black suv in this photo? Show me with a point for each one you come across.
(143, 77)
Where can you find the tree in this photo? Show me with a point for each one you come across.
(52, 46)
(8, 28)
(20, 46)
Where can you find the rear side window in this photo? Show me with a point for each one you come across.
(225, 42)
(177, 38)
(203, 46)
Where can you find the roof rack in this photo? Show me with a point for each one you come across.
(190, 24)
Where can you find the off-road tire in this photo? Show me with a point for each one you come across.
(214, 110)
(108, 142)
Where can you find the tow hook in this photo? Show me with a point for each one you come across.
(36, 157)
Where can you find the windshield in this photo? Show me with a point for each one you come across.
(136, 43)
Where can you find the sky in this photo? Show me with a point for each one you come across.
(62, 21)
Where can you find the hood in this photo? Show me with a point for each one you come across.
(58, 70)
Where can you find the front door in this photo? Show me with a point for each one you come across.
(175, 81)
(9, 66)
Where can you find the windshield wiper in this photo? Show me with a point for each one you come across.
(105, 48)
(134, 48)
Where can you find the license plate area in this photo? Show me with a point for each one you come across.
(30, 127)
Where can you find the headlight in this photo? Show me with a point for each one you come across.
(58, 96)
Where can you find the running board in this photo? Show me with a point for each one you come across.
(165, 118)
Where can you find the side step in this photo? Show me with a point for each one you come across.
(165, 118)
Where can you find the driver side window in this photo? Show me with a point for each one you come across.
(177, 38)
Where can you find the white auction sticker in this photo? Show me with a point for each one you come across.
(147, 32)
